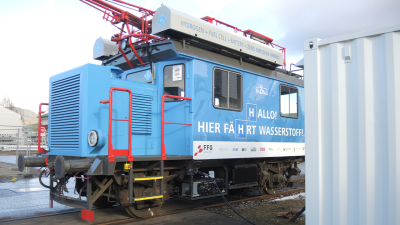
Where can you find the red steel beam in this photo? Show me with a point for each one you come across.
(140, 8)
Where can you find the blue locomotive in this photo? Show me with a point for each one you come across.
(135, 129)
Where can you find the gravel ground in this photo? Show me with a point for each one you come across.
(238, 194)
(8, 171)
(299, 183)
(264, 211)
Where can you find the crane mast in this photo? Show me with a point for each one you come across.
(135, 27)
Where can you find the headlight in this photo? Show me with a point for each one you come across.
(93, 138)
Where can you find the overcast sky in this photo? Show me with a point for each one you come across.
(41, 38)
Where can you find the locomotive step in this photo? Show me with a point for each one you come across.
(148, 198)
(148, 178)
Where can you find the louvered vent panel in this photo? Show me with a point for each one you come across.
(141, 114)
(64, 113)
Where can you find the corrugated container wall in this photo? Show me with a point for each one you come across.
(352, 92)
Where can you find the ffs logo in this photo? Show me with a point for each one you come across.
(200, 150)
(207, 149)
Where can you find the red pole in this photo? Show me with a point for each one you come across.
(163, 154)
(130, 44)
(284, 58)
(40, 150)
(130, 157)
(140, 8)
(110, 147)
(122, 52)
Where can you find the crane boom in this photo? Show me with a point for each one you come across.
(140, 27)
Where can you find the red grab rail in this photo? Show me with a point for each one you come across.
(40, 150)
(111, 152)
(163, 154)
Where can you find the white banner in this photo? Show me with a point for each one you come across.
(232, 150)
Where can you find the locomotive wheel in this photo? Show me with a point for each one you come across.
(137, 209)
(265, 188)
(268, 191)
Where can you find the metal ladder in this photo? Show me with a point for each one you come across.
(153, 178)
(111, 152)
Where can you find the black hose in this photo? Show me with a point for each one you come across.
(225, 200)
(40, 179)
(80, 191)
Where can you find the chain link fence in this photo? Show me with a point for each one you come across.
(14, 140)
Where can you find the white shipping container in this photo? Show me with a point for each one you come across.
(352, 104)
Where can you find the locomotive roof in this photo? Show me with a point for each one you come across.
(165, 50)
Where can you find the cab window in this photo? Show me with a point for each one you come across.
(288, 101)
(227, 90)
(174, 81)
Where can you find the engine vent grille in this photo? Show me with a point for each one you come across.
(64, 113)
(141, 114)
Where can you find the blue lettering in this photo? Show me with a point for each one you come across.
(184, 24)
(212, 33)
(236, 42)
(222, 37)
(251, 47)
(275, 56)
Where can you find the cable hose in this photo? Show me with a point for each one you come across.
(40, 179)
(225, 200)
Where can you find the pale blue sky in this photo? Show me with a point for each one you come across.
(41, 38)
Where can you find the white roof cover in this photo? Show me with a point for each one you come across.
(10, 121)
(167, 18)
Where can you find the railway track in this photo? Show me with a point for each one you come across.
(165, 213)
(208, 206)
(40, 216)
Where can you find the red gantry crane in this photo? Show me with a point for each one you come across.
(138, 26)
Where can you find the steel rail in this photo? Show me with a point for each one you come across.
(208, 206)
(165, 213)
(41, 216)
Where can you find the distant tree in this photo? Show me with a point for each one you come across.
(6, 102)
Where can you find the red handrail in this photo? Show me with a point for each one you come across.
(111, 152)
(163, 154)
(40, 150)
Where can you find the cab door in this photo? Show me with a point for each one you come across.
(175, 82)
